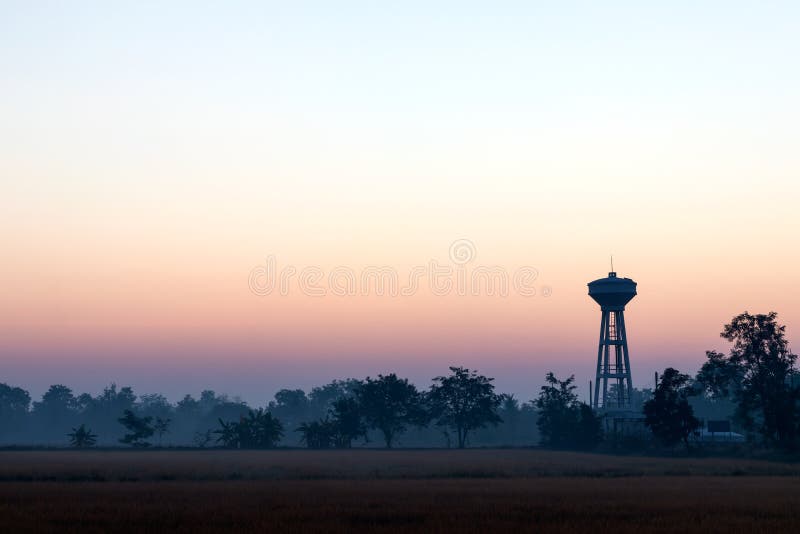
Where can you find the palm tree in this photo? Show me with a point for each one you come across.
(317, 434)
(261, 429)
(82, 437)
(258, 430)
(228, 434)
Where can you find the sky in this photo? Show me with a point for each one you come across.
(164, 165)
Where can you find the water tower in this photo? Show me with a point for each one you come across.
(613, 363)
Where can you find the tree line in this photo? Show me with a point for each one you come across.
(757, 381)
(459, 409)
(755, 385)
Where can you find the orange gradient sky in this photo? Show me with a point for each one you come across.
(151, 157)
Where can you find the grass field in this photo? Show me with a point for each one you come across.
(392, 491)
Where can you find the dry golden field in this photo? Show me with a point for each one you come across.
(392, 491)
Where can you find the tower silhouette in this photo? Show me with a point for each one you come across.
(613, 362)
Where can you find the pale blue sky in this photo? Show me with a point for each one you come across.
(368, 62)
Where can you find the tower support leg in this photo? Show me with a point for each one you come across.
(613, 363)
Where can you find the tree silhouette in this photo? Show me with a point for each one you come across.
(82, 437)
(57, 404)
(463, 402)
(228, 434)
(343, 424)
(290, 406)
(563, 421)
(668, 414)
(321, 398)
(718, 378)
(389, 404)
(139, 429)
(759, 372)
(161, 427)
(257, 430)
(14, 403)
(55, 413)
(509, 408)
(154, 405)
(188, 406)
(317, 434)
(263, 431)
(103, 411)
(588, 431)
(348, 422)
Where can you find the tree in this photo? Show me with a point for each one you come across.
(228, 434)
(719, 377)
(209, 400)
(589, 430)
(103, 411)
(155, 405)
(317, 434)
(84, 402)
(55, 414)
(464, 401)
(114, 401)
(161, 427)
(57, 404)
(321, 398)
(262, 430)
(257, 430)
(389, 404)
(563, 421)
(339, 428)
(668, 414)
(82, 437)
(348, 423)
(187, 407)
(509, 407)
(139, 429)
(517, 427)
(14, 404)
(757, 373)
(290, 405)
(556, 413)
(766, 396)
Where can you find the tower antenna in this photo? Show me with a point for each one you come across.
(612, 263)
